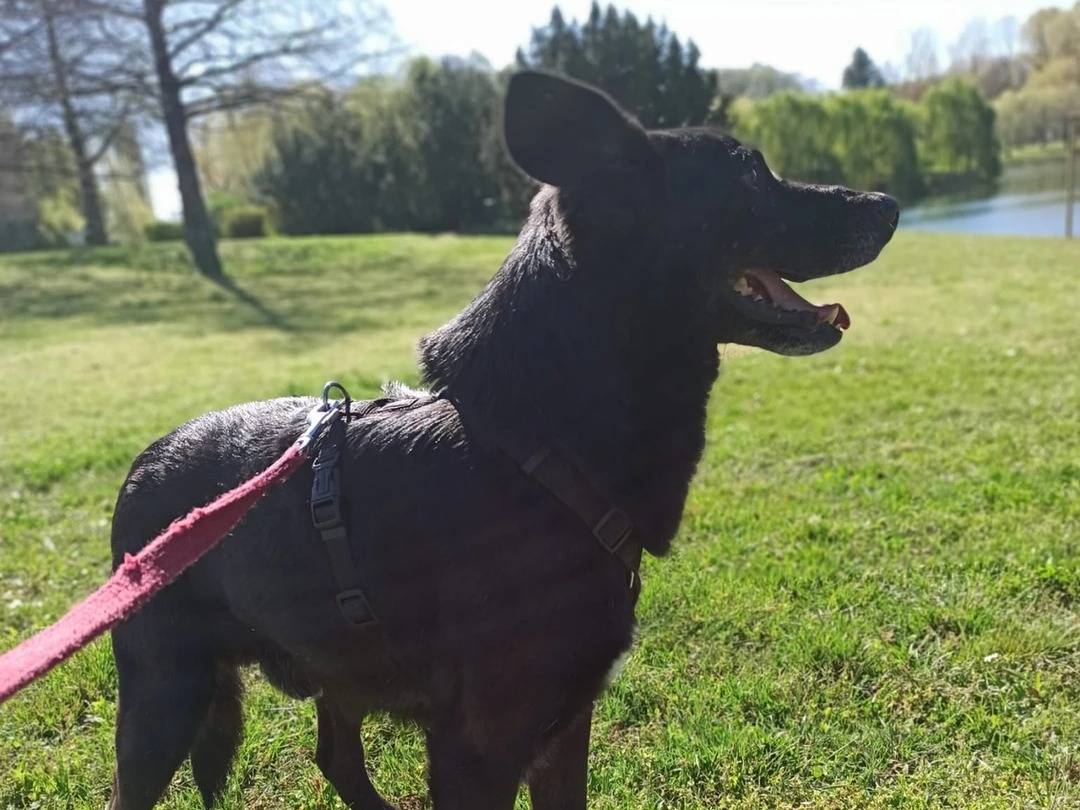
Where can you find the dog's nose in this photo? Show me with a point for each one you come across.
(887, 210)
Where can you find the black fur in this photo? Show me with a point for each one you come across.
(499, 615)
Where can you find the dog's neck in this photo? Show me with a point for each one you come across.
(589, 350)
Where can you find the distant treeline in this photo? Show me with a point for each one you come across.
(871, 139)
(424, 152)
(422, 149)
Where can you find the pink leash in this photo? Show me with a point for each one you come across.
(142, 575)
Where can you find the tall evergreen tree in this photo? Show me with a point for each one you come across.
(643, 66)
(862, 72)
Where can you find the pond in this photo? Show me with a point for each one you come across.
(1029, 201)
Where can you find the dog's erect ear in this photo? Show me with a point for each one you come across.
(560, 131)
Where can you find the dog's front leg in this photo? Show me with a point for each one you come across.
(558, 778)
(466, 776)
(340, 756)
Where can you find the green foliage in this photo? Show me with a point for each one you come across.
(246, 222)
(39, 205)
(19, 234)
(318, 174)
(163, 231)
(793, 131)
(871, 139)
(1036, 112)
(862, 72)
(454, 105)
(643, 66)
(124, 188)
(424, 153)
(60, 220)
(219, 203)
(957, 133)
(1053, 33)
(874, 139)
(873, 600)
(230, 149)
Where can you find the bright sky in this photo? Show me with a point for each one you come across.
(812, 37)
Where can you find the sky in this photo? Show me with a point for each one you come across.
(814, 38)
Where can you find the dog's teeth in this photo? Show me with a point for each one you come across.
(742, 288)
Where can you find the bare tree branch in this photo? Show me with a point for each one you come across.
(200, 27)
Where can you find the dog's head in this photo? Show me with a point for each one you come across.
(698, 204)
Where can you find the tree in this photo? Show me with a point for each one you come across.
(315, 174)
(793, 131)
(18, 210)
(645, 67)
(454, 105)
(921, 63)
(958, 130)
(1052, 33)
(873, 136)
(56, 71)
(862, 72)
(218, 55)
(1036, 112)
(420, 153)
(986, 54)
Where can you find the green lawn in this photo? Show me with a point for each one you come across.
(873, 601)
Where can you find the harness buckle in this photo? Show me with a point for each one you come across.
(355, 608)
(613, 529)
(325, 493)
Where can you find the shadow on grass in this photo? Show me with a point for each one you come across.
(270, 316)
(292, 287)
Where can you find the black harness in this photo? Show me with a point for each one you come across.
(329, 520)
(544, 463)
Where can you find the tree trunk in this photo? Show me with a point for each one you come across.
(89, 195)
(198, 228)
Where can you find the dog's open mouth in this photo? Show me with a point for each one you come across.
(770, 298)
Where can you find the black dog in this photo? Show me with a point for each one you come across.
(503, 580)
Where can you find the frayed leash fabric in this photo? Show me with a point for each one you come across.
(140, 576)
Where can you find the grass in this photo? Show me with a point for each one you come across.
(1035, 153)
(873, 601)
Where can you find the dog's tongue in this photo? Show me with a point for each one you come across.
(781, 295)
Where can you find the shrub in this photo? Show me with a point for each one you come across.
(160, 231)
(793, 131)
(874, 139)
(958, 131)
(245, 222)
(21, 234)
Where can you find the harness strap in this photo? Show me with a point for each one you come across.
(329, 520)
(610, 526)
(553, 470)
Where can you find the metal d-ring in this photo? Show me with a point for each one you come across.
(330, 386)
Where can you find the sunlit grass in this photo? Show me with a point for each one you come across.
(873, 601)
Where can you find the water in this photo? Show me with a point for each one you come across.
(1028, 201)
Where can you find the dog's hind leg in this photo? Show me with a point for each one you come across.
(558, 779)
(164, 697)
(340, 756)
(217, 740)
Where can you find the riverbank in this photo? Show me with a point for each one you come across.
(1027, 200)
